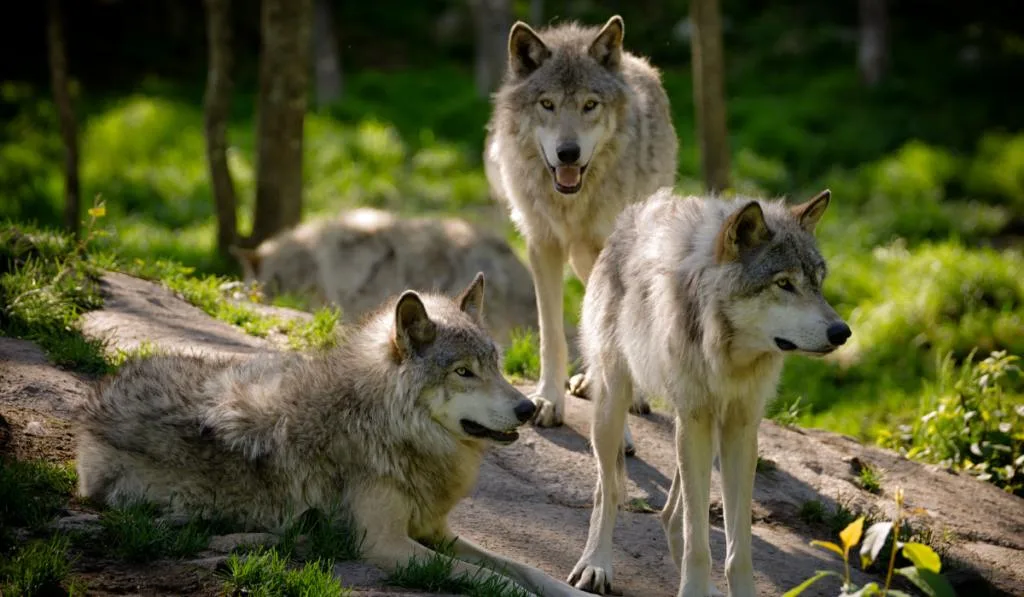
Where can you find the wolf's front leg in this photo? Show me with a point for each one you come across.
(528, 576)
(547, 261)
(738, 450)
(593, 572)
(695, 447)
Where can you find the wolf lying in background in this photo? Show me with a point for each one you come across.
(392, 426)
(698, 300)
(359, 258)
(580, 129)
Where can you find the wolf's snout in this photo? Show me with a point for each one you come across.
(568, 153)
(524, 410)
(838, 333)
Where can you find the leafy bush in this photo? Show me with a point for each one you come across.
(973, 420)
(997, 170)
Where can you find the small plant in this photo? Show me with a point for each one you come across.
(31, 493)
(39, 568)
(265, 573)
(522, 359)
(923, 571)
(330, 536)
(870, 478)
(812, 512)
(319, 333)
(975, 422)
(790, 415)
(765, 465)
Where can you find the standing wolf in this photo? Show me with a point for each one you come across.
(580, 129)
(698, 300)
(391, 426)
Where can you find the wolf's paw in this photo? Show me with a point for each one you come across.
(592, 576)
(548, 413)
(578, 386)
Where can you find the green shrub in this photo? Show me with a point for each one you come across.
(972, 420)
(522, 358)
(997, 170)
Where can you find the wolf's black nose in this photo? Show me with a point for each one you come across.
(838, 333)
(568, 153)
(524, 410)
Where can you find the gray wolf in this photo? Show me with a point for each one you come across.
(391, 426)
(358, 258)
(698, 300)
(579, 130)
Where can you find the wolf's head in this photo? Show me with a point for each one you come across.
(568, 80)
(776, 302)
(444, 345)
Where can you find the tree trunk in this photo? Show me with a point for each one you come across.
(492, 20)
(217, 102)
(709, 93)
(325, 55)
(873, 42)
(65, 114)
(281, 110)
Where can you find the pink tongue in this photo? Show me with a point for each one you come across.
(567, 176)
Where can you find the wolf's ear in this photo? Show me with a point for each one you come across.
(744, 230)
(809, 212)
(526, 50)
(607, 46)
(249, 259)
(413, 328)
(472, 298)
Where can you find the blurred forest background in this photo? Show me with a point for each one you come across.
(909, 111)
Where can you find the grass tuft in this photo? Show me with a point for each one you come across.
(40, 568)
(32, 493)
(135, 532)
(435, 574)
(265, 573)
(522, 358)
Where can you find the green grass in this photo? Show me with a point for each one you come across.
(870, 478)
(812, 512)
(39, 568)
(329, 536)
(32, 493)
(435, 574)
(265, 573)
(45, 286)
(522, 357)
(135, 532)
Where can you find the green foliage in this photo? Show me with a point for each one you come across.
(265, 573)
(870, 478)
(31, 494)
(45, 286)
(973, 420)
(329, 536)
(924, 571)
(997, 170)
(522, 358)
(39, 568)
(320, 333)
(135, 532)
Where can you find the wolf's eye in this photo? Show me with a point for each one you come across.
(463, 372)
(547, 104)
(785, 284)
(589, 106)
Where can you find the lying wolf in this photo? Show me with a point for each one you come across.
(392, 425)
(359, 258)
(580, 129)
(698, 300)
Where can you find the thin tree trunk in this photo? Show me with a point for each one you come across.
(873, 42)
(709, 93)
(65, 114)
(217, 102)
(325, 55)
(281, 110)
(492, 20)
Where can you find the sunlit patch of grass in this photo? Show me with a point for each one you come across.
(522, 358)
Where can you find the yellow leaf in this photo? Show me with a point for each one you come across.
(850, 536)
(98, 212)
(922, 556)
(830, 546)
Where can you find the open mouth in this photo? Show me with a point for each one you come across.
(478, 430)
(568, 178)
